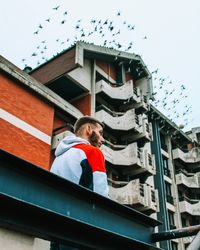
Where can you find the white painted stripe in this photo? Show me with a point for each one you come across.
(25, 126)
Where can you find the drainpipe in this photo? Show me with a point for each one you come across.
(175, 188)
(176, 233)
(159, 182)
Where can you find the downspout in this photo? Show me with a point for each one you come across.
(159, 182)
(175, 188)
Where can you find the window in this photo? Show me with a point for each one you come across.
(166, 167)
(174, 245)
(184, 222)
(163, 144)
(171, 220)
(169, 193)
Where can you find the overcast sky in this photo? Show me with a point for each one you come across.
(165, 33)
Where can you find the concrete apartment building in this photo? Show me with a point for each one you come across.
(177, 155)
(153, 167)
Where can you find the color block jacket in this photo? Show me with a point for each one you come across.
(80, 162)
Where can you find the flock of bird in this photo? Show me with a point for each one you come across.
(171, 99)
(103, 31)
(109, 33)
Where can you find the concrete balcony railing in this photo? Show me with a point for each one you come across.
(192, 156)
(143, 104)
(188, 239)
(140, 196)
(131, 96)
(124, 92)
(191, 181)
(190, 206)
(127, 121)
(146, 134)
(137, 159)
(146, 130)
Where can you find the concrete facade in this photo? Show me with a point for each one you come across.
(11, 240)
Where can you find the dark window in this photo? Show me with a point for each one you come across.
(174, 245)
(163, 144)
(169, 193)
(184, 222)
(171, 220)
(166, 167)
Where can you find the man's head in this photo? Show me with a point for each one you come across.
(90, 129)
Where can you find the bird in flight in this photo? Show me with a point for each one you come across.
(63, 21)
(56, 8)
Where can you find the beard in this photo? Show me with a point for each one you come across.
(93, 139)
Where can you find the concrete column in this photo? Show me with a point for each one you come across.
(93, 87)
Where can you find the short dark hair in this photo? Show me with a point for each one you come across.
(86, 119)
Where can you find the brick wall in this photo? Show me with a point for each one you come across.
(26, 123)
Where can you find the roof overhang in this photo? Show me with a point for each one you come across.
(96, 52)
(130, 60)
(40, 89)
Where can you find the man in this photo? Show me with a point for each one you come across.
(79, 159)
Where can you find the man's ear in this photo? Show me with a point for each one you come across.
(88, 129)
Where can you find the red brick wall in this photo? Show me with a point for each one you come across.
(24, 145)
(83, 104)
(109, 69)
(128, 77)
(25, 105)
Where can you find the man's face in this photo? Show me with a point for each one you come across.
(96, 137)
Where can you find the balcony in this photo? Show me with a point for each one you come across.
(145, 136)
(139, 196)
(188, 180)
(189, 206)
(146, 133)
(126, 95)
(120, 121)
(126, 121)
(137, 160)
(142, 105)
(126, 92)
(192, 156)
